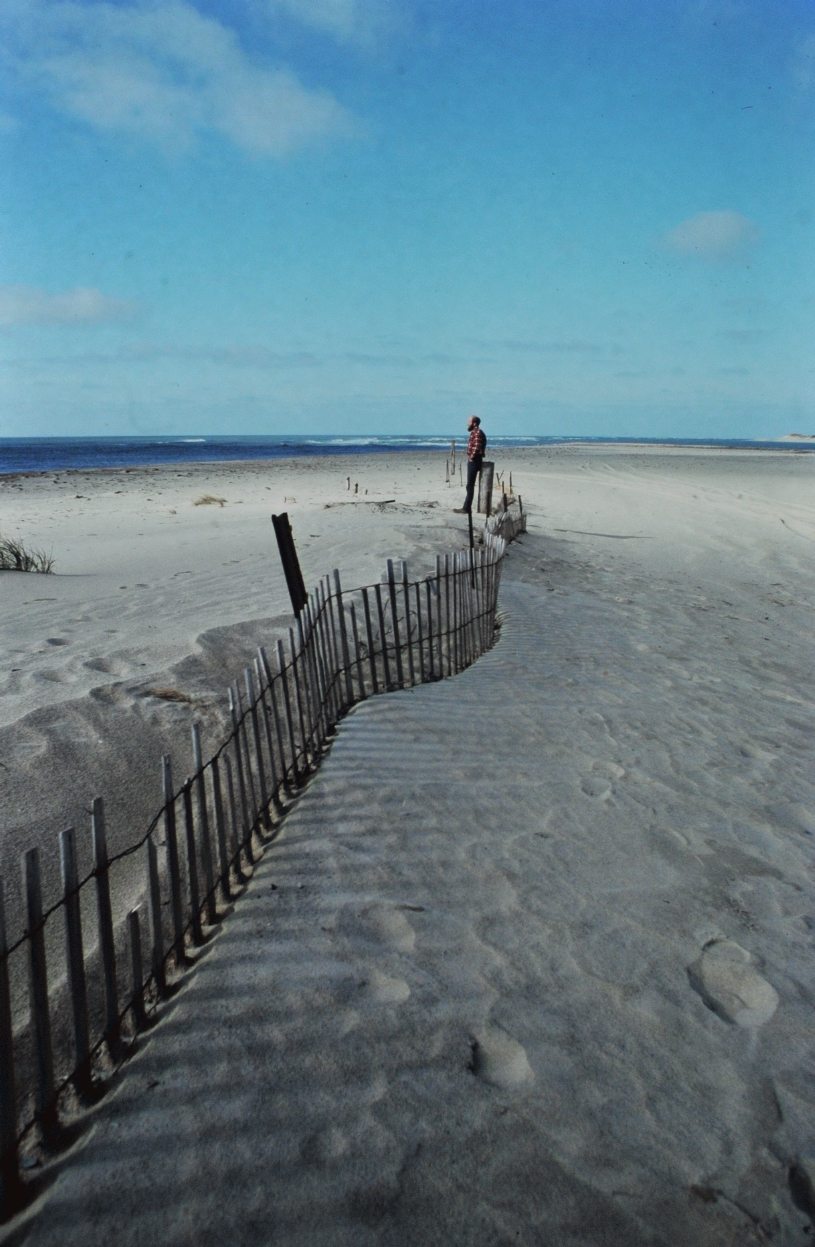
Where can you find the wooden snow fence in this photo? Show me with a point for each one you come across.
(81, 981)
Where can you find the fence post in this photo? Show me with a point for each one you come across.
(137, 969)
(253, 713)
(298, 699)
(281, 662)
(386, 671)
(400, 674)
(192, 865)
(420, 632)
(357, 652)
(346, 656)
(106, 944)
(154, 891)
(75, 958)
(203, 823)
(234, 709)
(370, 639)
(429, 597)
(235, 821)
(408, 641)
(276, 716)
(9, 1162)
(45, 1090)
(277, 780)
(242, 745)
(172, 861)
(220, 829)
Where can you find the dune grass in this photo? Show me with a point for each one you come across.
(14, 557)
(209, 500)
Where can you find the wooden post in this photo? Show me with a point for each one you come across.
(234, 709)
(9, 1165)
(261, 768)
(485, 482)
(45, 1089)
(383, 638)
(276, 777)
(318, 676)
(136, 969)
(234, 820)
(192, 866)
(420, 631)
(326, 654)
(173, 862)
(106, 944)
(299, 699)
(397, 644)
(346, 655)
(301, 692)
(154, 891)
(220, 829)
(333, 645)
(203, 823)
(357, 651)
(369, 634)
(276, 718)
(291, 565)
(430, 661)
(75, 959)
(408, 641)
(281, 663)
(242, 743)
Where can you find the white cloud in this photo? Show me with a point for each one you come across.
(713, 236)
(350, 21)
(160, 70)
(26, 305)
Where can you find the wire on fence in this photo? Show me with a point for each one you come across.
(349, 645)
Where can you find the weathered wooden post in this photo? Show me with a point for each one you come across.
(485, 481)
(291, 564)
(105, 911)
(173, 864)
(75, 958)
(45, 1088)
(203, 823)
(9, 1161)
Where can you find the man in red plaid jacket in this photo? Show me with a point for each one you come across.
(476, 446)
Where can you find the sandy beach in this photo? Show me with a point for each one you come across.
(590, 887)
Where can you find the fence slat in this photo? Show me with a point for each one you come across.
(397, 647)
(9, 1170)
(173, 864)
(274, 773)
(253, 714)
(408, 641)
(192, 866)
(346, 655)
(357, 652)
(298, 702)
(419, 632)
(383, 640)
(220, 829)
(136, 969)
(233, 816)
(234, 709)
(276, 717)
(75, 958)
(154, 892)
(242, 742)
(107, 947)
(281, 663)
(203, 823)
(45, 1089)
(366, 608)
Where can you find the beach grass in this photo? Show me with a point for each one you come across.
(14, 557)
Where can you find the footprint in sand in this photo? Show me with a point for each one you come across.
(391, 926)
(385, 990)
(729, 984)
(600, 783)
(499, 1059)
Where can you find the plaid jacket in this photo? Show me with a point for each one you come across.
(476, 445)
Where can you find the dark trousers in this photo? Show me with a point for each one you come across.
(473, 468)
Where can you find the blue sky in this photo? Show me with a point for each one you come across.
(356, 216)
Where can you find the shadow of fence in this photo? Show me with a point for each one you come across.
(81, 982)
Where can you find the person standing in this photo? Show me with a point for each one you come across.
(476, 446)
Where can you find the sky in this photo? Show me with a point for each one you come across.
(588, 217)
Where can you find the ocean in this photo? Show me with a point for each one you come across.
(60, 454)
